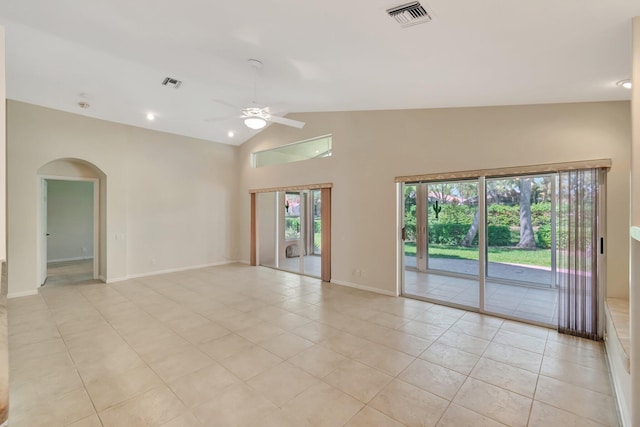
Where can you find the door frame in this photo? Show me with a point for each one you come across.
(41, 234)
(325, 208)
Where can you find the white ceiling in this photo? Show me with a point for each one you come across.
(329, 55)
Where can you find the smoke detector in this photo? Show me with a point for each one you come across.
(171, 82)
(409, 14)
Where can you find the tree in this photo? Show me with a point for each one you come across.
(527, 239)
(473, 230)
(410, 212)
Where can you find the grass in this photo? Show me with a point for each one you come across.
(537, 257)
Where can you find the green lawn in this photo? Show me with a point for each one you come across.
(538, 257)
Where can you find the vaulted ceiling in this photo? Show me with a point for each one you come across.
(325, 55)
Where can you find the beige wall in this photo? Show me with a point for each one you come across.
(634, 282)
(371, 148)
(3, 162)
(170, 200)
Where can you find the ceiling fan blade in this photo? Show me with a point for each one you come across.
(226, 104)
(287, 122)
(221, 119)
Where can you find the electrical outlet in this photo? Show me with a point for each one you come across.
(84, 250)
(153, 261)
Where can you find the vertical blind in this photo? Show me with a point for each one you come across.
(580, 302)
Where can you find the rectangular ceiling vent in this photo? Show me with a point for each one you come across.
(409, 14)
(171, 82)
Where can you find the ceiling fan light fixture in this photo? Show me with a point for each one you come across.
(255, 123)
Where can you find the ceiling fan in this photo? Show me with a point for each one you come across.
(255, 116)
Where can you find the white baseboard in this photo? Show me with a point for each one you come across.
(81, 258)
(619, 376)
(22, 294)
(167, 271)
(244, 261)
(364, 288)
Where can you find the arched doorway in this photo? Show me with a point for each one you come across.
(82, 238)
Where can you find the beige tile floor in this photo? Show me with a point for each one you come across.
(67, 272)
(242, 346)
(312, 265)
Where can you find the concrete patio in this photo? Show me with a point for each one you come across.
(537, 302)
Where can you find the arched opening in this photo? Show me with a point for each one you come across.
(78, 214)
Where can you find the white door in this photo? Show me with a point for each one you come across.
(43, 237)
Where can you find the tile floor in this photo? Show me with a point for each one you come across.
(68, 272)
(312, 265)
(242, 346)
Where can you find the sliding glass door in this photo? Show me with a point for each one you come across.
(445, 261)
(287, 237)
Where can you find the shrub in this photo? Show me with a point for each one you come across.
(410, 223)
(509, 215)
(452, 214)
(543, 237)
(499, 235)
(291, 228)
(541, 213)
(503, 215)
(447, 234)
(453, 234)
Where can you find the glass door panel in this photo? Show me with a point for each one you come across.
(520, 266)
(316, 230)
(267, 222)
(293, 247)
(298, 253)
(410, 236)
(312, 225)
(441, 257)
(452, 221)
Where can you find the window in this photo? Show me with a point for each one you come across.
(298, 151)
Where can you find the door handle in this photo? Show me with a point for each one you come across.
(404, 233)
(48, 234)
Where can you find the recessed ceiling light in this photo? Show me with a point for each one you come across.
(83, 104)
(625, 84)
(151, 116)
(231, 134)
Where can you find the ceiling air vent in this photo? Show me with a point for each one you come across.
(409, 14)
(171, 82)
